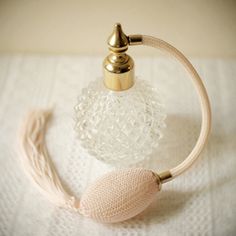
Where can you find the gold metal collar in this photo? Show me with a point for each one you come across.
(118, 67)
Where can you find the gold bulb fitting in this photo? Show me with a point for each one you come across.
(118, 67)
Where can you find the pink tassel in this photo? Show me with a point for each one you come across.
(37, 163)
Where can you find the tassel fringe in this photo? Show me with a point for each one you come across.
(37, 163)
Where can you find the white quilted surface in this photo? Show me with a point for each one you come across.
(201, 202)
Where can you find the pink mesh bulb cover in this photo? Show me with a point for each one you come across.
(119, 195)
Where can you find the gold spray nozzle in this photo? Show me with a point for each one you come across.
(118, 67)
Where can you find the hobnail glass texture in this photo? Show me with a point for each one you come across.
(119, 127)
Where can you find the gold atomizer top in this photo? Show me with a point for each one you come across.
(118, 67)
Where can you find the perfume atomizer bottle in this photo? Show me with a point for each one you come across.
(119, 121)
(119, 118)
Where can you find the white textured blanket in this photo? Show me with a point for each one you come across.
(201, 202)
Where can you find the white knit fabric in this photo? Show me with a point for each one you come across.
(201, 202)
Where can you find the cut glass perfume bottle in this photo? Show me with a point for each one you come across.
(119, 118)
